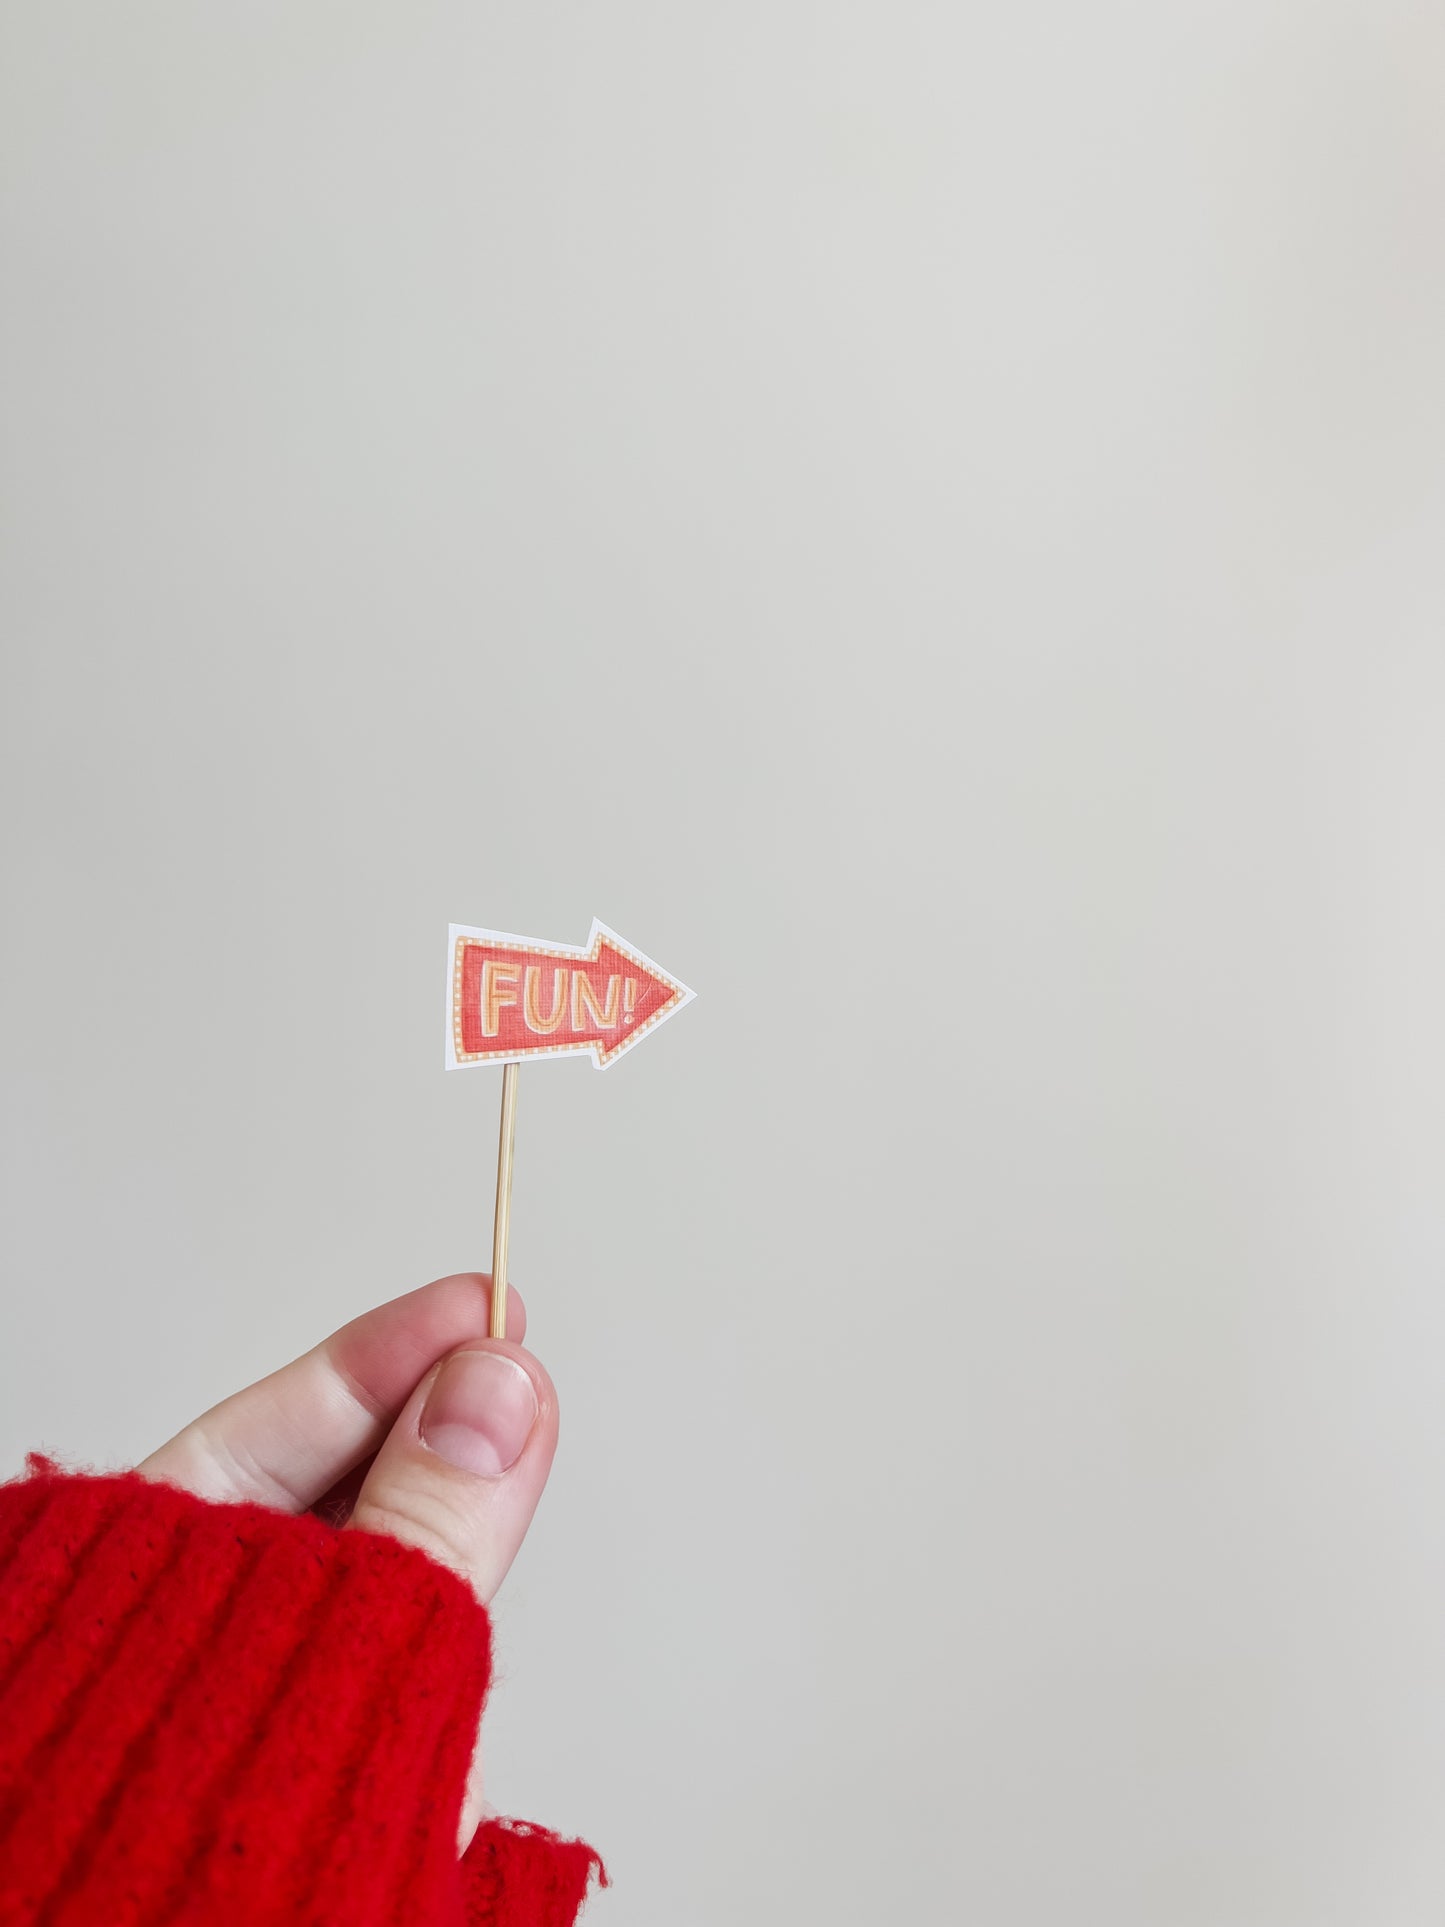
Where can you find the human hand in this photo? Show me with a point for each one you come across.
(409, 1421)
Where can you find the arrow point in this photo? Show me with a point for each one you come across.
(658, 993)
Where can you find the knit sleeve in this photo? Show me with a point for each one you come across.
(517, 1875)
(221, 1714)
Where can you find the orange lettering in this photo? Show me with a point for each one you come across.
(604, 1015)
(532, 1001)
(499, 987)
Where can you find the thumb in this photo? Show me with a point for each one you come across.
(461, 1471)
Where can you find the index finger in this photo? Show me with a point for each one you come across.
(287, 1439)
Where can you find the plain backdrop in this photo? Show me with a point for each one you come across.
(927, 519)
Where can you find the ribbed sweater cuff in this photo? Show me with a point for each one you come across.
(223, 1714)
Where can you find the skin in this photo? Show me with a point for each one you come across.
(337, 1432)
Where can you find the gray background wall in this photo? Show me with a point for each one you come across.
(937, 503)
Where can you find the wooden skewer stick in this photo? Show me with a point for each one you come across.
(502, 1219)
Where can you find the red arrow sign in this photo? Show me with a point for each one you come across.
(511, 997)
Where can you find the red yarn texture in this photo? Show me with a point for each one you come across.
(220, 1714)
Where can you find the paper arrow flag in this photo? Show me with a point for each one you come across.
(510, 998)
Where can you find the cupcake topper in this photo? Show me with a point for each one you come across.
(512, 998)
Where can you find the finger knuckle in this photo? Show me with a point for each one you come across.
(419, 1517)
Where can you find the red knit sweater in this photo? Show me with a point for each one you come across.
(219, 1714)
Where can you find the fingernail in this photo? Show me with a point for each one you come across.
(479, 1412)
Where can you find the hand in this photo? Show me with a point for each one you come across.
(408, 1421)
